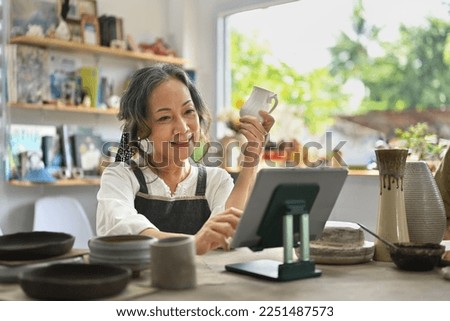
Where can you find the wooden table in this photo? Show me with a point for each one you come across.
(373, 281)
(370, 281)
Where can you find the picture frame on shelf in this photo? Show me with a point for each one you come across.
(90, 29)
(75, 31)
(23, 13)
(79, 7)
(87, 153)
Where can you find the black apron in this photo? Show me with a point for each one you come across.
(183, 215)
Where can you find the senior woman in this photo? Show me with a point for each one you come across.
(154, 188)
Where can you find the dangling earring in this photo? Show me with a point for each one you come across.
(146, 145)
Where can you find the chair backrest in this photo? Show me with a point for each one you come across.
(63, 214)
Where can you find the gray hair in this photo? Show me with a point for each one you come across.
(134, 102)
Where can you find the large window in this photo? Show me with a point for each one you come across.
(356, 68)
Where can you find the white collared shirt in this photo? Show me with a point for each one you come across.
(115, 210)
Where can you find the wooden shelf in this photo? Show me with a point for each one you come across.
(351, 172)
(363, 172)
(74, 109)
(60, 182)
(93, 49)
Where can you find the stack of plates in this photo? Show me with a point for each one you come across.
(341, 243)
(130, 251)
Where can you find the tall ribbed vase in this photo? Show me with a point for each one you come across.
(425, 210)
(391, 224)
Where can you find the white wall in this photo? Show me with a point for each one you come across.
(358, 201)
(145, 20)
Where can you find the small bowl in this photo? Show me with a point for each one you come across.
(417, 257)
(129, 251)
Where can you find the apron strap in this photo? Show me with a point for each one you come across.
(201, 181)
(140, 177)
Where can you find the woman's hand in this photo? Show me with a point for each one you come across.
(255, 132)
(217, 230)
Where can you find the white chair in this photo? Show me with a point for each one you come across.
(63, 214)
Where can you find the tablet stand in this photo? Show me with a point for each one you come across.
(292, 208)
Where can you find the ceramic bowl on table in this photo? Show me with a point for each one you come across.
(130, 251)
(416, 257)
(71, 281)
(34, 245)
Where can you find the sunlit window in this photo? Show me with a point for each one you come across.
(358, 69)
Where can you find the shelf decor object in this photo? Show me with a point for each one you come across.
(90, 29)
(391, 224)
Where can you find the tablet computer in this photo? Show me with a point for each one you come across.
(316, 188)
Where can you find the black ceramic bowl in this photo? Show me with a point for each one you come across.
(416, 257)
(71, 281)
(34, 245)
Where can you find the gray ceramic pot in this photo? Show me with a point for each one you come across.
(173, 263)
(425, 212)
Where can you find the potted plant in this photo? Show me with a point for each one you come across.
(422, 144)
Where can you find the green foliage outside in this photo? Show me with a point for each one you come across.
(420, 141)
(315, 97)
(411, 73)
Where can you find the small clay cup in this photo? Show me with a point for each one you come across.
(416, 257)
(173, 263)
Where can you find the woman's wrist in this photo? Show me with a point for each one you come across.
(251, 157)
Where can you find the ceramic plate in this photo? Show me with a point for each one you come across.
(34, 245)
(342, 255)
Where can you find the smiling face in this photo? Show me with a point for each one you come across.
(174, 123)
